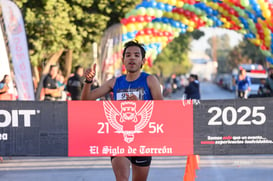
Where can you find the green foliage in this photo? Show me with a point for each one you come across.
(246, 52)
(53, 25)
(174, 57)
(252, 52)
(220, 44)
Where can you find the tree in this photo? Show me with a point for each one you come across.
(174, 57)
(246, 53)
(55, 27)
(220, 48)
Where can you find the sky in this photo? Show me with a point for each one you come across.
(201, 45)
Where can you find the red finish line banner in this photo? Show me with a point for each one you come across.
(129, 128)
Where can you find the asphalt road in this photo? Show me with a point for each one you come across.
(211, 168)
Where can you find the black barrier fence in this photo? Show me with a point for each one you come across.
(226, 127)
(220, 127)
(33, 128)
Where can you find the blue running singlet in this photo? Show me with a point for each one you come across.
(139, 87)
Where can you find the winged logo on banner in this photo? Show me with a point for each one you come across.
(127, 120)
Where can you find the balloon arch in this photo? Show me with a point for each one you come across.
(157, 22)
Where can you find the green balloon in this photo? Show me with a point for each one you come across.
(241, 12)
(191, 8)
(186, 6)
(157, 26)
(150, 25)
(158, 13)
(141, 11)
(197, 11)
(245, 3)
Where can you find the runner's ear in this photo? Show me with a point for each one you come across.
(143, 61)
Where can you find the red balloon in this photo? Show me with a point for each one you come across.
(140, 18)
(141, 32)
(147, 31)
(132, 19)
(147, 18)
(181, 11)
(187, 13)
(263, 47)
(166, 33)
(160, 33)
(123, 21)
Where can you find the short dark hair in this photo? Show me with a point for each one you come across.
(195, 76)
(134, 43)
(52, 66)
(77, 68)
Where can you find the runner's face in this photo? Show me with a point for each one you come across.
(133, 59)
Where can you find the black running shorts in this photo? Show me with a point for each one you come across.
(139, 161)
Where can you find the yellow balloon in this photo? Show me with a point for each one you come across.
(164, 44)
(224, 20)
(147, 39)
(267, 41)
(220, 9)
(176, 34)
(168, 14)
(172, 2)
(243, 31)
(164, 1)
(190, 29)
(157, 39)
(179, 4)
(164, 39)
(267, 14)
(191, 23)
(124, 29)
(257, 42)
(227, 25)
(130, 27)
(140, 39)
(176, 16)
(185, 21)
(267, 32)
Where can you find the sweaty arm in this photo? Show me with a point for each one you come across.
(154, 86)
(88, 94)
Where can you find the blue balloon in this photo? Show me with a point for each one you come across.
(130, 35)
(209, 11)
(168, 8)
(160, 6)
(269, 59)
(124, 37)
(215, 12)
(183, 26)
(165, 20)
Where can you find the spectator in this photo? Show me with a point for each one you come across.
(269, 81)
(51, 89)
(243, 84)
(75, 83)
(4, 84)
(264, 90)
(192, 91)
(60, 83)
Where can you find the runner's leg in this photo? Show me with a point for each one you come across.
(140, 173)
(121, 168)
